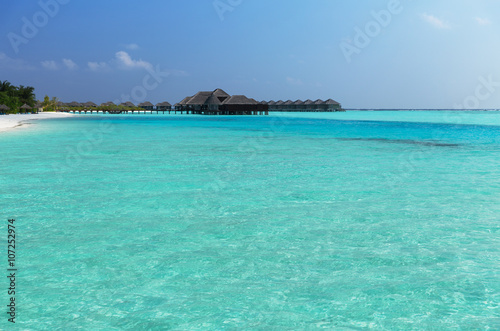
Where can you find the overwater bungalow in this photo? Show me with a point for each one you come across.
(127, 104)
(198, 101)
(255, 101)
(182, 104)
(163, 106)
(319, 105)
(279, 105)
(332, 105)
(146, 105)
(298, 105)
(308, 104)
(239, 105)
(73, 104)
(213, 103)
(89, 104)
(218, 102)
(221, 95)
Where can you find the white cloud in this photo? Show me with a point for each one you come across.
(126, 62)
(179, 73)
(132, 47)
(7, 62)
(50, 65)
(54, 65)
(436, 22)
(294, 81)
(70, 64)
(97, 66)
(482, 21)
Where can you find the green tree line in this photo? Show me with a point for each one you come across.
(16, 96)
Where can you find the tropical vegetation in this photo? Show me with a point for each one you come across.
(15, 97)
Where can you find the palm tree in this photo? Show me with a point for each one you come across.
(26, 95)
(8, 88)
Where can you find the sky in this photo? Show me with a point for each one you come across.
(373, 54)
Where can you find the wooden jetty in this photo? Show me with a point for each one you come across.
(216, 102)
(169, 111)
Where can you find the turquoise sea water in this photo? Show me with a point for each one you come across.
(383, 220)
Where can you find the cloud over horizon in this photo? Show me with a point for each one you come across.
(70, 64)
(132, 47)
(50, 65)
(14, 64)
(436, 22)
(126, 62)
(482, 21)
(97, 66)
(121, 61)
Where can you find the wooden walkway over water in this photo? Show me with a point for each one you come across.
(161, 111)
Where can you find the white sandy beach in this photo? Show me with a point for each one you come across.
(9, 122)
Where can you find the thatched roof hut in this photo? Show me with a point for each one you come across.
(163, 106)
(332, 105)
(218, 101)
(331, 102)
(220, 94)
(199, 99)
(308, 104)
(197, 102)
(241, 104)
(185, 101)
(89, 104)
(25, 108)
(279, 104)
(107, 104)
(298, 104)
(287, 105)
(146, 105)
(74, 104)
(239, 100)
(3, 109)
(212, 103)
(127, 104)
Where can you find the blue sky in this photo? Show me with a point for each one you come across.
(364, 54)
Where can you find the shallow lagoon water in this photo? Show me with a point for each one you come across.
(385, 220)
